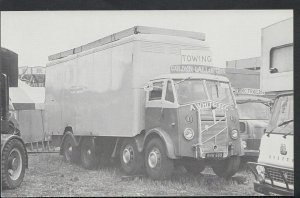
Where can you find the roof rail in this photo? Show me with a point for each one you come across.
(126, 33)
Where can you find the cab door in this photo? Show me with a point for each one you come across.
(161, 109)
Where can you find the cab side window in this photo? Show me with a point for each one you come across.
(156, 93)
(169, 92)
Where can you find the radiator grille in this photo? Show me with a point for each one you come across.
(275, 174)
(253, 144)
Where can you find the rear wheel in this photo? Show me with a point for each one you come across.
(89, 158)
(228, 167)
(194, 167)
(131, 159)
(13, 161)
(158, 165)
(71, 152)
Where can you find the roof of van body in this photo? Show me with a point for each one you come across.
(136, 31)
(192, 76)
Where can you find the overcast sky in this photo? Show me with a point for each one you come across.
(34, 35)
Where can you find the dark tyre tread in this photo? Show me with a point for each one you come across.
(93, 161)
(137, 163)
(6, 181)
(167, 165)
(75, 155)
(194, 167)
(228, 167)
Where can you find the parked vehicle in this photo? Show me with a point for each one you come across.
(14, 158)
(254, 114)
(274, 170)
(141, 96)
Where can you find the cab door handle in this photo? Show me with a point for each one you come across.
(172, 124)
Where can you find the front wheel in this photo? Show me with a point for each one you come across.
(13, 161)
(228, 167)
(158, 165)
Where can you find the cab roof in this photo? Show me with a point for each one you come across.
(251, 98)
(285, 94)
(192, 76)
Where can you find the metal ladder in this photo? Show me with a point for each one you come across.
(41, 147)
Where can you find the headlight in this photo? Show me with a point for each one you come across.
(188, 133)
(244, 144)
(234, 134)
(261, 173)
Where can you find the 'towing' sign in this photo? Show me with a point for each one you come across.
(196, 57)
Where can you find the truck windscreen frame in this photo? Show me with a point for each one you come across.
(195, 90)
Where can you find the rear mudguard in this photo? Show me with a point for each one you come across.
(5, 138)
(68, 133)
(142, 138)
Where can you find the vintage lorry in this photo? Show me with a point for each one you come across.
(254, 113)
(274, 170)
(14, 157)
(147, 97)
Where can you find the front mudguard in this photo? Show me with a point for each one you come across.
(157, 132)
(5, 138)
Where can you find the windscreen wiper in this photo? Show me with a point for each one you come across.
(182, 80)
(285, 122)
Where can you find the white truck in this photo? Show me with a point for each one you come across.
(147, 96)
(274, 170)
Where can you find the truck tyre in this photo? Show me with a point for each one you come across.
(131, 159)
(194, 167)
(158, 165)
(89, 158)
(71, 152)
(13, 159)
(228, 167)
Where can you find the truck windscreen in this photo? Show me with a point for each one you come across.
(283, 111)
(219, 91)
(253, 111)
(192, 90)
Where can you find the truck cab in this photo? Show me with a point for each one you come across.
(198, 114)
(254, 114)
(274, 170)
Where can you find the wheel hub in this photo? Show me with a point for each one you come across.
(14, 164)
(15, 168)
(127, 154)
(153, 158)
(89, 152)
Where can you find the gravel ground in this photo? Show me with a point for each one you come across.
(48, 175)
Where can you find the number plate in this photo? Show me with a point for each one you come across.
(214, 155)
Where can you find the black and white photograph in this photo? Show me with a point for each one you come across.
(103, 103)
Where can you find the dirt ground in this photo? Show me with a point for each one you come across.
(49, 175)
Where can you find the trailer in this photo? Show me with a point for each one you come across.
(147, 96)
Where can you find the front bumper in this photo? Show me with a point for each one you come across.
(277, 180)
(267, 189)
